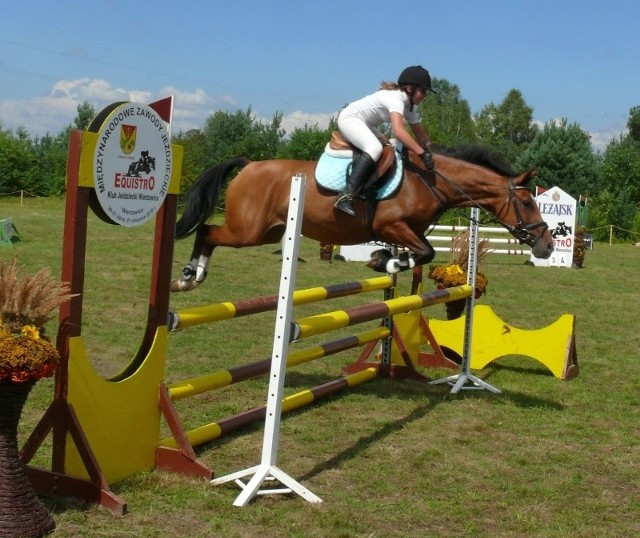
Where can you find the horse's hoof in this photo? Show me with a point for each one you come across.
(379, 259)
(178, 284)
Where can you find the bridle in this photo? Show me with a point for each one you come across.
(520, 231)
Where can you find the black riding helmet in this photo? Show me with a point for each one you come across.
(415, 75)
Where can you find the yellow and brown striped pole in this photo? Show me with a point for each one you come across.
(227, 310)
(223, 378)
(214, 430)
(339, 319)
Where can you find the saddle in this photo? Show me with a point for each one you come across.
(340, 146)
(333, 165)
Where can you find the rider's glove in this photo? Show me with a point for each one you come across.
(427, 159)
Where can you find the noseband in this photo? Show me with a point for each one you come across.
(521, 230)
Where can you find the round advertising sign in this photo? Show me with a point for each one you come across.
(131, 163)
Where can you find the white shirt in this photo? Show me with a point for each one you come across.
(375, 109)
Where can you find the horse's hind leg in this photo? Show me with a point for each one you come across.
(195, 271)
(233, 233)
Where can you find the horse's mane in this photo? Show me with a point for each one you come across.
(479, 155)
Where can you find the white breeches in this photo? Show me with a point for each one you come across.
(359, 134)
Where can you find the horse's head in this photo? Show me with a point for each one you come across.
(469, 186)
(522, 218)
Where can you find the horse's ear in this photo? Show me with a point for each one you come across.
(523, 179)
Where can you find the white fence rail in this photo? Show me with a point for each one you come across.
(363, 251)
(520, 250)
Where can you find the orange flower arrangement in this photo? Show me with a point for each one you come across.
(27, 303)
(454, 273)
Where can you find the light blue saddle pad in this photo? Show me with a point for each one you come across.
(331, 173)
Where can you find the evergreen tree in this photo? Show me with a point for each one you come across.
(508, 127)
(633, 124)
(446, 116)
(563, 156)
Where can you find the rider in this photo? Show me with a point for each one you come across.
(393, 103)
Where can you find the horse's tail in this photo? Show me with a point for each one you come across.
(202, 197)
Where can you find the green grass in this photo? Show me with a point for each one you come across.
(545, 458)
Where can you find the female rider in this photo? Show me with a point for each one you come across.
(392, 103)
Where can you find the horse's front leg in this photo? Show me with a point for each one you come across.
(195, 271)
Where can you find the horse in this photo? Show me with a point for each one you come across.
(257, 200)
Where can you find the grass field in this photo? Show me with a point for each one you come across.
(545, 458)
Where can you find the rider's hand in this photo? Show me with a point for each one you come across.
(427, 159)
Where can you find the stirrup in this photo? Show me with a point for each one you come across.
(342, 197)
(344, 204)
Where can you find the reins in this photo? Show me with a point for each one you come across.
(521, 230)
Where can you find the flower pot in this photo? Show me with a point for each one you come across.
(22, 514)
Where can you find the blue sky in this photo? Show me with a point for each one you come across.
(577, 60)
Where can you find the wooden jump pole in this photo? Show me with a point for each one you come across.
(209, 432)
(223, 378)
(199, 315)
(338, 319)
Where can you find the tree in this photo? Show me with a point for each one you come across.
(229, 135)
(621, 168)
(47, 176)
(563, 156)
(265, 139)
(633, 124)
(195, 155)
(508, 127)
(446, 116)
(609, 208)
(306, 143)
(85, 114)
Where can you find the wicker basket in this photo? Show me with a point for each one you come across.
(21, 511)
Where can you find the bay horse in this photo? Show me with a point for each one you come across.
(257, 202)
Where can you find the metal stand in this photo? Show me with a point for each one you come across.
(267, 470)
(465, 380)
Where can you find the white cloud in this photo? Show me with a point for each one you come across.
(51, 113)
(299, 119)
(86, 89)
(600, 138)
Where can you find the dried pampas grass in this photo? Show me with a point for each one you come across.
(28, 299)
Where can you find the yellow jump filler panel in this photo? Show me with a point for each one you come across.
(553, 346)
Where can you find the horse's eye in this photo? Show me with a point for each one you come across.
(527, 204)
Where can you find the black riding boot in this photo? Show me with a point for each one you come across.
(360, 172)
